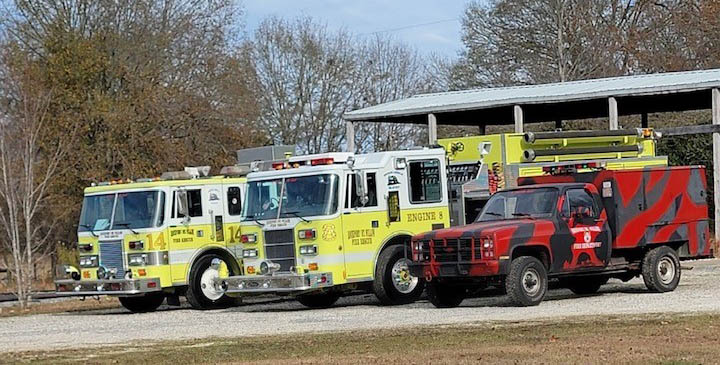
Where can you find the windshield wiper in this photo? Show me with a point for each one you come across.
(493, 213)
(126, 225)
(252, 218)
(89, 228)
(296, 214)
(523, 215)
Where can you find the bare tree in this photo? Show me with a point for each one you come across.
(512, 42)
(678, 35)
(27, 170)
(391, 70)
(307, 77)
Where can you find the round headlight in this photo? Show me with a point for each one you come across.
(102, 273)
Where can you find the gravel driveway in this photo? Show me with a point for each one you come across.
(699, 291)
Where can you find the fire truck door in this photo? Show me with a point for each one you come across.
(586, 243)
(229, 222)
(361, 220)
(195, 228)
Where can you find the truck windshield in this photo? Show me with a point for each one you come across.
(516, 204)
(125, 210)
(303, 196)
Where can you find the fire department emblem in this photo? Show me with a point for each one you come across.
(328, 232)
(587, 237)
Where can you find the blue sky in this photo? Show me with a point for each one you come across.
(407, 20)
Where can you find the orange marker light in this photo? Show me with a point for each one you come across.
(86, 274)
(313, 266)
(250, 269)
(142, 272)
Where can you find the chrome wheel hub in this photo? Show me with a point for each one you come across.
(207, 281)
(401, 278)
(666, 270)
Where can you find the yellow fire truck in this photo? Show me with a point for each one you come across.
(318, 226)
(339, 221)
(149, 239)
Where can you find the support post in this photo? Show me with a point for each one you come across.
(482, 128)
(432, 129)
(644, 120)
(519, 119)
(613, 114)
(716, 160)
(350, 136)
(558, 124)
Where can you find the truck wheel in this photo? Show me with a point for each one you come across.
(445, 296)
(586, 285)
(661, 269)
(527, 282)
(201, 294)
(142, 304)
(320, 300)
(393, 283)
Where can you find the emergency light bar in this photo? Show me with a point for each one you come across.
(572, 168)
(322, 161)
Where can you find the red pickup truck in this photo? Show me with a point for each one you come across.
(579, 228)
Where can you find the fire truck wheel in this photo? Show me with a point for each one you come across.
(393, 284)
(445, 296)
(527, 282)
(585, 285)
(320, 300)
(142, 304)
(200, 293)
(661, 269)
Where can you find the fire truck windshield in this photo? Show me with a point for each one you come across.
(124, 210)
(517, 204)
(302, 196)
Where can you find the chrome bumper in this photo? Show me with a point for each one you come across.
(121, 287)
(275, 283)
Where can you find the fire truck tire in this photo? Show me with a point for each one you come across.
(393, 284)
(445, 296)
(142, 304)
(195, 294)
(661, 269)
(527, 282)
(585, 285)
(321, 300)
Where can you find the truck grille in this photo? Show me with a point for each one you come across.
(280, 248)
(111, 257)
(450, 250)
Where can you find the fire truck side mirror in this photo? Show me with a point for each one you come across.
(182, 205)
(360, 188)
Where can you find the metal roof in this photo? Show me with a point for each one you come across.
(661, 84)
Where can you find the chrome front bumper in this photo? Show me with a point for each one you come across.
(275, 283)
(121, 287)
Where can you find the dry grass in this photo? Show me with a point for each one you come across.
(69, 305)
(600, 340)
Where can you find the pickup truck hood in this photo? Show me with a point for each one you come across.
(510, 227)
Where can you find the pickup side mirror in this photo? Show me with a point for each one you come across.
(361, 188)
(183, 209)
